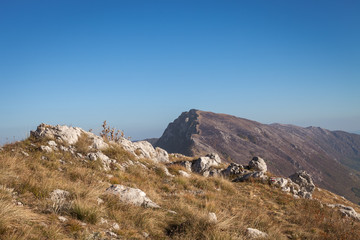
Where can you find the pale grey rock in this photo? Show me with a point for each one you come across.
(305, 184)
(46, 149)
(166, 171)
(115, 226)
(203, 164)
(25, 153)
(52, 144)
(212, 217)
(184, 174)
(99, 201)
(145, 234)
(64, 149)
(131, 195)
(105, 160)
(79, 155)
(255, 175)
(111, 234)
(346, 210)
(232, 169)
(1, 149)
(63, 133)
(258, 164)
(62, 219)
(253, 233)
(144, 149)
(279, 181)
(60, 199)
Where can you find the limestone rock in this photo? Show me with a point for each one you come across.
(64, 133)
(232, 169)
(46, 149)
(105, 160)
(184, 174)
(253, 233)
(258, 164)
(60, 199)
(203, 164)
(131, 195)
(212, 217)
(305, 183)
(346, 210)
(248, 176)
(144, 149)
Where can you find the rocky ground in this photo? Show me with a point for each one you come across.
(65, 183)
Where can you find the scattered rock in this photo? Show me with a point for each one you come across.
(248, 176)
(258, 164)
(115, 226)
(79, 155)
(46, 149)
(305, 184)
(204, 163)
(184, 174)
(25, 153)
(99, 201)
(60, 199)
(111, 234)
(166, 171)
(232, 169)
(253, 233)
(131, 195)
(105, 160)
(212, 217)
(52, 144)
(145, 234)
(346, 210)
(62, 219)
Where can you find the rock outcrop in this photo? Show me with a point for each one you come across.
(131, 195)
(253, 233)
(346, 210)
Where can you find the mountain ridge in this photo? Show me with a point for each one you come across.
(332, 157)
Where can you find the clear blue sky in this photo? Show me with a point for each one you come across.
(139, 64)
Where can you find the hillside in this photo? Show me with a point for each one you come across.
(66, 183)
(332, 157)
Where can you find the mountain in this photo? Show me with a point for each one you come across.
(331, 157)
(66, 183)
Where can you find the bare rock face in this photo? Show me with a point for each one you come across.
(258, 164)
(131, 195)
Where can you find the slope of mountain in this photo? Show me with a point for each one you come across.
(332, 157)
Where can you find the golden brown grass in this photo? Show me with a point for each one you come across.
(237, 205)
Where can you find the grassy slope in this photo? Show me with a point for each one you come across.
(30, 179)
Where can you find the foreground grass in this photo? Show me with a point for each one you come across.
(26, 212)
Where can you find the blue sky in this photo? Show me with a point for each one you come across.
(139, 64)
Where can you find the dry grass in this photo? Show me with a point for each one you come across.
(31, 179)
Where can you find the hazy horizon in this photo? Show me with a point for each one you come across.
(139, 64)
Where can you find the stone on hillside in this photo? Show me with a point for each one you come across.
(279, 182)
(60, 199)
(52, 144)
(64, 133)
(305, 183)
(46, 149)
(25, 153)
(346, 210)
(184, 174)
(144, 149)
(232, 169)
(253, 233)
(166, 171)
(105, 160)
(258, 164)
(248, 176)
(203, 164)
(131, 195)
(212, 217)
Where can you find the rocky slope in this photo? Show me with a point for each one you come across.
(332, 157)
(65, 183)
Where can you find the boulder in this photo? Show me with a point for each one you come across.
(253, 233)
(144, 149)
(212, 217)
(184, 174)
(105, 160)
(46, 149)
(131, 195)
(203, 164)
(304, 182)
(258, 164)
(248, 176)
(346, 210)
(232, 169)
(60, 199)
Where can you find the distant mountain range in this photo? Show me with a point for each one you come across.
(332, 157)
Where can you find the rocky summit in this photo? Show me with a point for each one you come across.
(331, 157)
(66, 183)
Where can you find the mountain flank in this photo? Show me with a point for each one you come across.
(331, 157)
